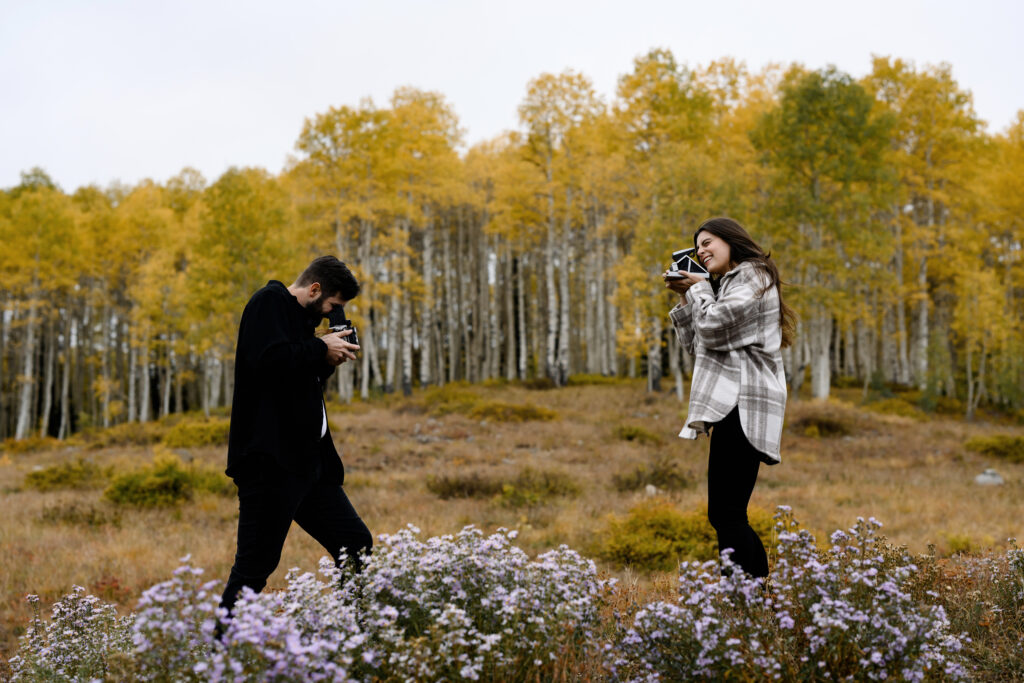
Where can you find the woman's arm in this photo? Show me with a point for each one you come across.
(733, 320)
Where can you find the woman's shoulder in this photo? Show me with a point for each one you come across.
(750, 272)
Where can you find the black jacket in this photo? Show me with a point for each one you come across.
(277, 408)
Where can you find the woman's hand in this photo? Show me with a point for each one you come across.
(679, 285)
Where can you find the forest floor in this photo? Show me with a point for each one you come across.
(913, 474)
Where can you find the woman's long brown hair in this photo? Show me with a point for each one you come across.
(742, 248)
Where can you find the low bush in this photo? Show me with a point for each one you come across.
(528, 488)
(823, 419)
(637, 434)
(897, 406)
(662, 471)
(29, 445)
(451, 398)
(468, 485)
(537, 487)
(499, 411)
(1003, 446)
(166, 482)
(127, 434)
(195, 433)
(655, 535)
(81, 514)
(77, 474)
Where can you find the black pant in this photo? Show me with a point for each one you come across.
(268, 501)
(732, 472)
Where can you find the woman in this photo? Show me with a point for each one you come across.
(734, 324)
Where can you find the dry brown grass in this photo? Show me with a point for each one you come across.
(915, 476)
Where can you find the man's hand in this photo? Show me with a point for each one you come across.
(339, 350)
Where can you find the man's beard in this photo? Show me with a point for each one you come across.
(314, 309)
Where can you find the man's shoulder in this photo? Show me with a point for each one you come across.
(271, 291)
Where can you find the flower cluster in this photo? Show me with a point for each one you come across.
(82, 634)
(846, 612)
(466, 606)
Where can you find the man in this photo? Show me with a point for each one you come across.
(280, 451)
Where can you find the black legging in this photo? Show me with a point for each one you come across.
(732, 473)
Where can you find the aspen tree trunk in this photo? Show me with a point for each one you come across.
(480, 291)
(5, 388)
(217, 384)
(797, 364)
(366, 334)
(888, 348)
(674, 352)
(522, 284)
(205, 393)
(550, 357)
(509, 280)
(836, 351)
(145, 399)
(819, 336)
(850, 352)
(65, 384)
(591, 353)
(865, 350)
(370, 361)
(364, 362)
(105, 369)
(427, 312)
(168, 380)
(969, 414)
(406, 330)
(179, 385)
(565, 273)
(654, 363)
(132, 374)
(49, 383)
(611, 318)
(393, 322)
(66, 373)
(451, 332)
(903, 357)
(27, 375)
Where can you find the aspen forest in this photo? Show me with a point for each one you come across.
(895, 216)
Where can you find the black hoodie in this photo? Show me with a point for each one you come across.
(277, 408)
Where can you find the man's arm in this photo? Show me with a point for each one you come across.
(266, 345)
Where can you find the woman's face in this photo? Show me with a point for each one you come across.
(713, 253)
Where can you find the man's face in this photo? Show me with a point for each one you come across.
(320, 306)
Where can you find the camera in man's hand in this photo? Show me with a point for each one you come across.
(339, 323)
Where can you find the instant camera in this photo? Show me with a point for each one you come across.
(684, 261)
(339, 323)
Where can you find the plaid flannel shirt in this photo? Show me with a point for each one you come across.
(735, 339)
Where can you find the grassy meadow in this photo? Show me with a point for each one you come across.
(560, 465)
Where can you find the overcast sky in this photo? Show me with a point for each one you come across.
(96, 91)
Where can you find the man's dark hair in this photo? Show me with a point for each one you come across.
(334, 278)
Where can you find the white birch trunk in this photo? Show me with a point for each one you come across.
(26, 378)
(48, 378)
(132, 375)
(427, 312)
(551, 349)
(522, 284)
(565, 273)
